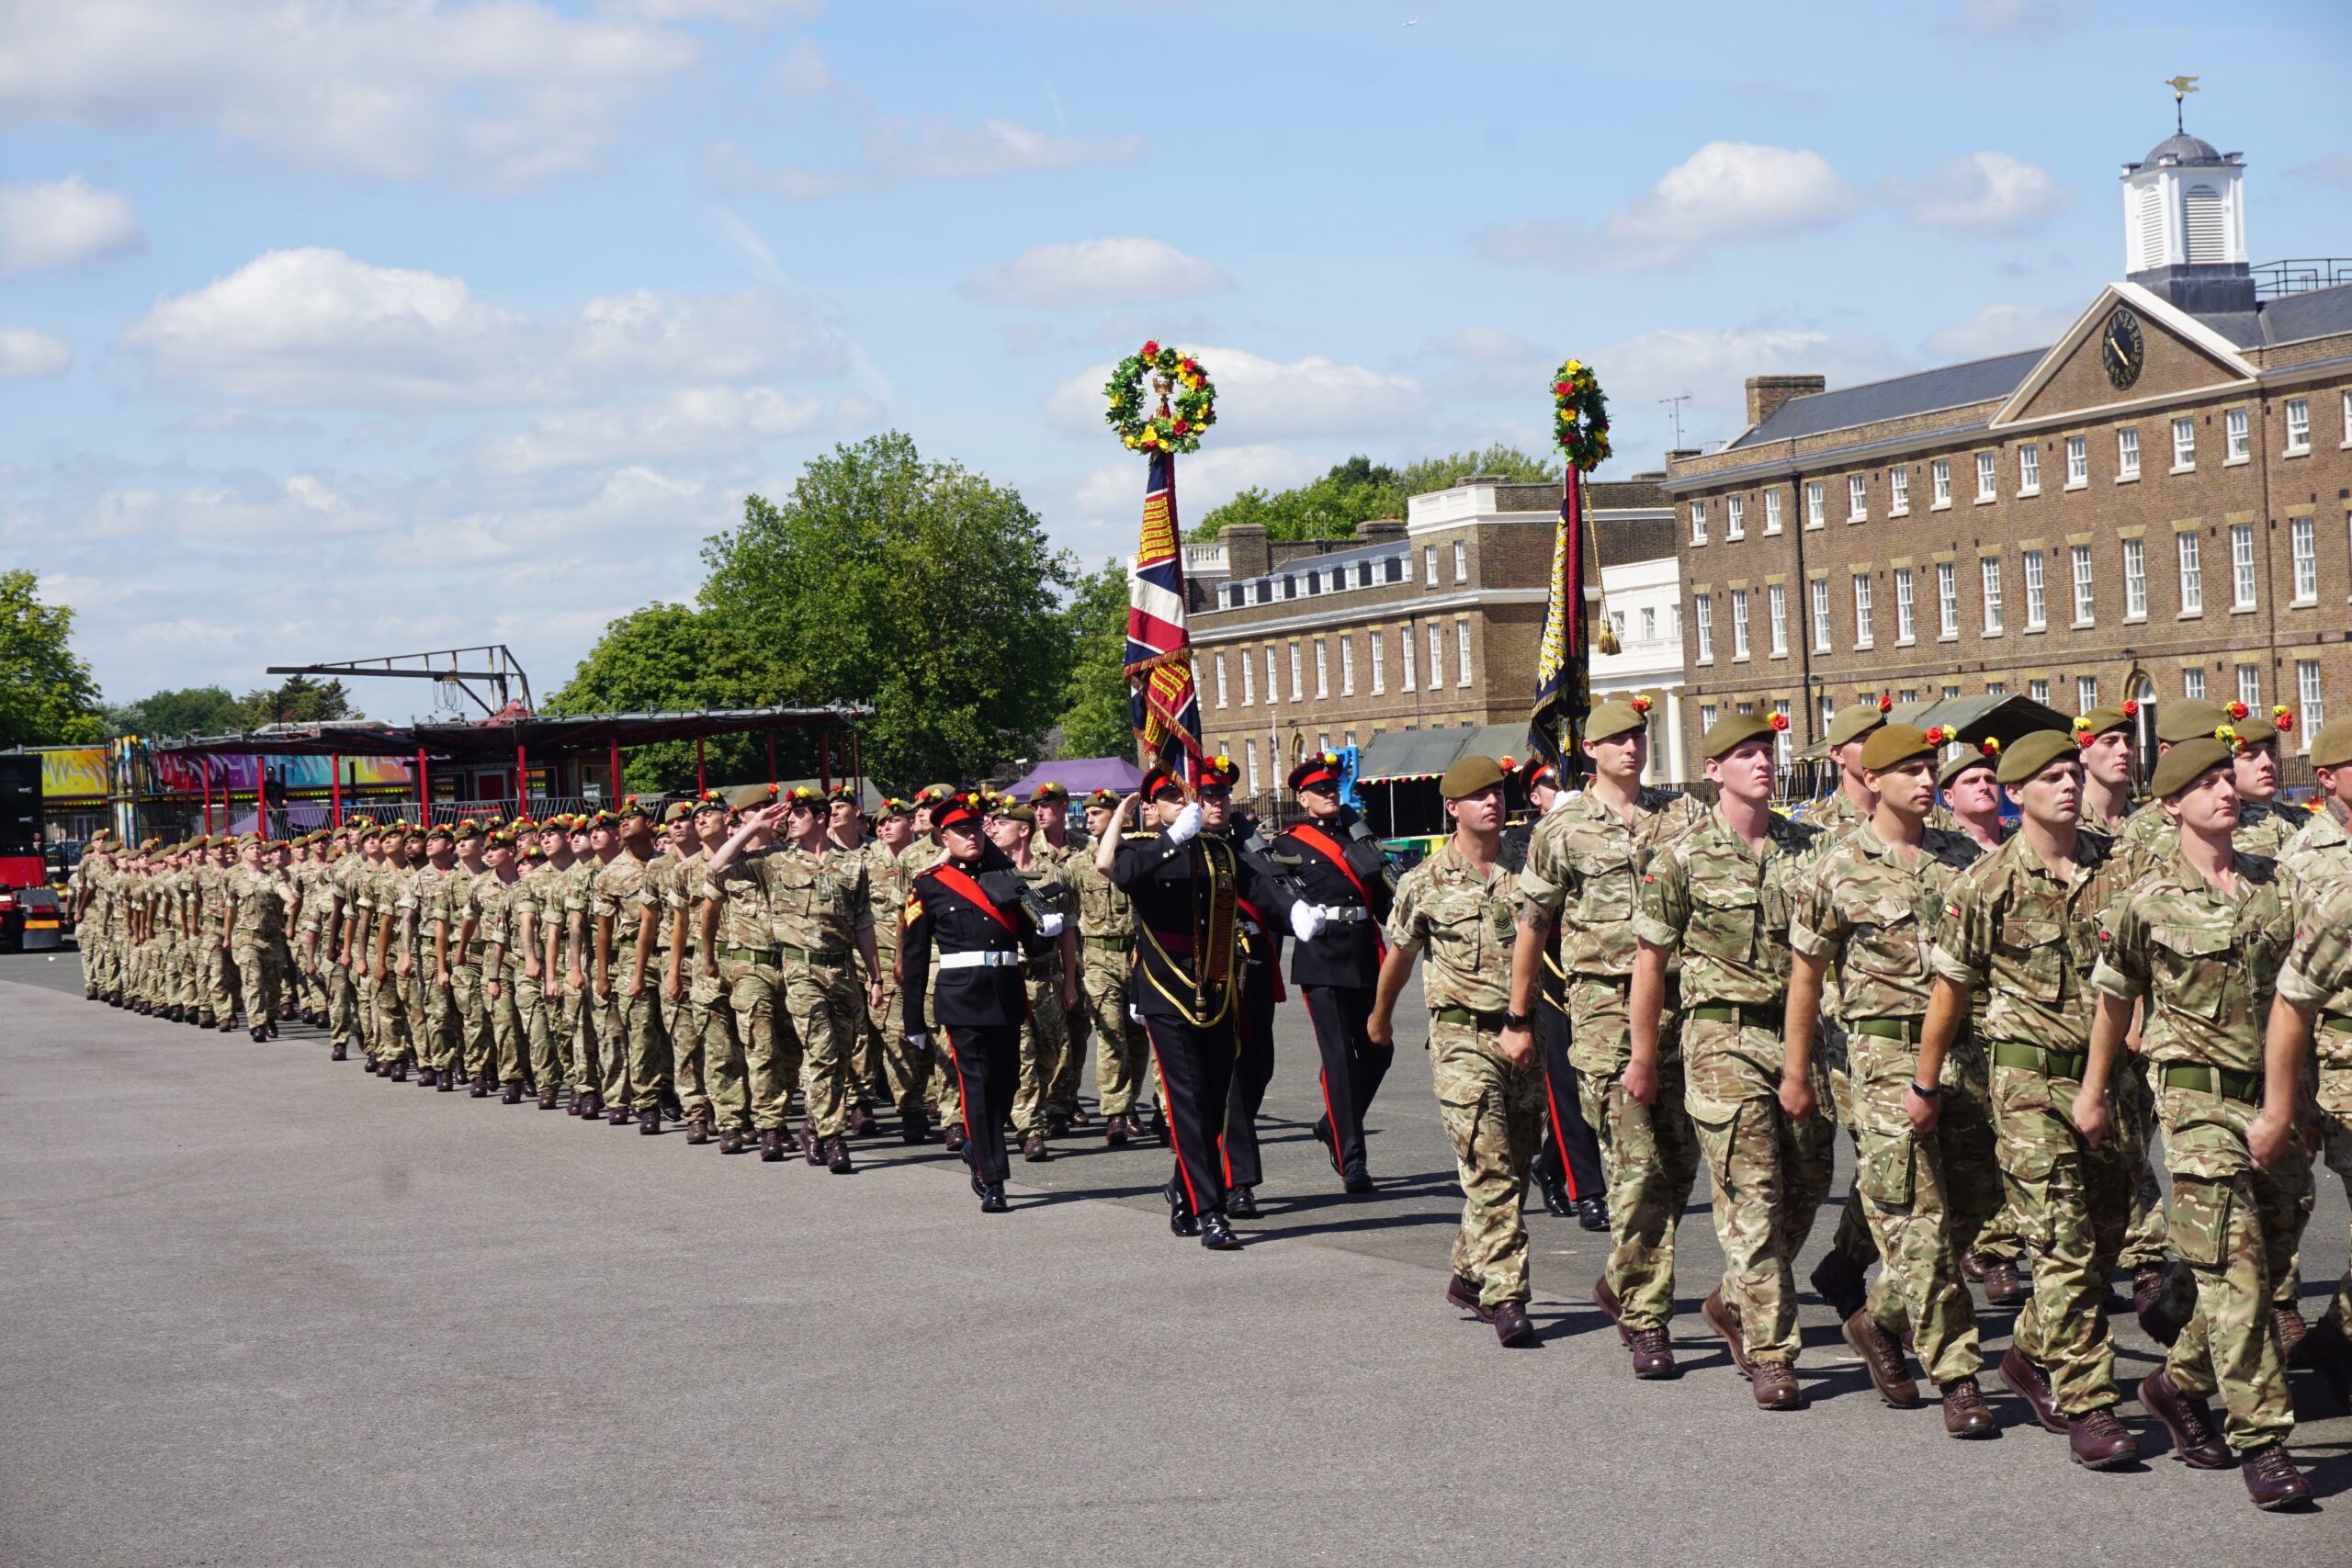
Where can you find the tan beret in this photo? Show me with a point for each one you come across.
(1612, 720)
(1470, 775)
(2332, 747)
(2032, 751)
(1893, 743)
(2188, 719)
(2185, 763)
(1853, 723)
(1736, 729)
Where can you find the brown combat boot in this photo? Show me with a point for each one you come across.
(1965, 1413)
(2003, 1287)
(1775, 1385)
(1882, 1356)
(2272, 1480)
(1724, 1321)
(2190, 1421)
(2099, 1441)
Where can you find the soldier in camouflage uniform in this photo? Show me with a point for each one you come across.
(537, 911)
(2197, 944)
(1051, 979)
(2021, 927)
(628, 1025)
(906, 1068)
(1869, 909)
(1463, 907)
(255, 917)
(1106, 937)
(754, 1090)
(673, 882)
(1718, 898)
(593, 842)
(1062, 851)
(218, 978)
(1585, 862)
(490, 912)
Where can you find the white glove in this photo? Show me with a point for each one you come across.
(1187, 824)
(919, 1041)
(1306, 919)
(1560, 801)
(1050, 923)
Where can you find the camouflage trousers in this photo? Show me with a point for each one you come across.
(1900, 1176)
(257, 969)
(635, 1052)
(1973, 1196)
(757, 1032)
(1049, 1064)
(822, 996)
(2070, 1203)
(217, 980)
(436, 1041)
(1119, 1050)
(2233, 1226)
(2144, 1238)
(476, 1032)
(1493, 1114)
(1771, 1172)
(2335, 1100)
(1649, 1154)
(905, 1070)
(342, 1005)
(510, 1044)
(538, 1011)
(685, 1019)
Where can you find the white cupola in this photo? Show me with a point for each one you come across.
(2184, 225)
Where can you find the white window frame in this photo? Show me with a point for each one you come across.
(2085, 596)
(2037, 592)
(1820, 596)
(2028, 468)
(1947, 599)
(1865, 618)
(1939, 484)
(1707, 712)
(1462, 650)
(1771, 511)
(2078, 462)
(1816, 511)
(1461, 560)
(2249, 679)
(2344, 418)
(1378, 639)
(1736, 517)
(1249, 754)
(2192, 683)
(2237, 437)
(1273, 675)
(1297, 676)
(1739, 646)
(1829, 711)
(1649, 623)
(1988, 577)
(2190, 550)
(2086, 693)
(1704, 623)
(1322, 668)
(1347, 664)
(2303, 533)
(2243, 589)
(2127, 454)
(1988, 477)
(1776, 600)
(1220, 677)
(1406, 652)
(1906, 613)
(1780, 737)
(2183, 444)
(2299, 426)
(1617, 625)
(2039, 690)
(2136, 580)
(1858, 498)
(1437, 655)
(2310, 698)
(1698, 521)
(1429, 560)
(1898, 491)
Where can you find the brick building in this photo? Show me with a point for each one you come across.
(2157, 506)
(1424, 623)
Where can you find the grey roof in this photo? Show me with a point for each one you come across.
(2292, 317)
(1952, 386)
(1426, 753)
(2182, 148)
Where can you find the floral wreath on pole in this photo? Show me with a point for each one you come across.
(1175, 427)
(1580, 415)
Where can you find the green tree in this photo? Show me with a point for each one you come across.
(673, 655)
(47, 695)
(300, 700)
(1096, 712)
(1358, 488)
(920, 587)
(191, 710)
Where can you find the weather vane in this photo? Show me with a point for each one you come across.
(2181, 87)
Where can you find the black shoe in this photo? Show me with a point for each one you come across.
(772, 1144)
(914, 1128)
(271, 1029)
(731, 1142)
(1323, 1136)
(339, 1052)
(649, 1121)
(837, 1159)
(1241, 1204)
(1556, 1196)
(514, 1095)
(1179, 1211)
(1592, 1213)
(992, 1200)
(261, 1036)
(1216, 1234)
(861, 1121)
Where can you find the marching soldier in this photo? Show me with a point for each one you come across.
(1051, 977)
(1581, 887)
(2106, 737)
(1260, 952)
(2197, 946)
(1718, 898)
(626, 1023)
(255, 915)
(738, 931)
(1463, 907)
(1330, 861)
(1106, 932)
(906, 1072)
(1568, 1162)
(1052, 845)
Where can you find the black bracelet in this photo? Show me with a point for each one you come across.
(1925, 1093)
(1514, 1020)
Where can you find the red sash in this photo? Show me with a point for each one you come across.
(956, 881)
(1320, 843)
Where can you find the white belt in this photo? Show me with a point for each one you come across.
(1342, 914)
(990, 958)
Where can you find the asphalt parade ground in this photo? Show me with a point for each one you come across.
(264, 1309)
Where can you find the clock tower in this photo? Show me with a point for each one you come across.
(2183, 227)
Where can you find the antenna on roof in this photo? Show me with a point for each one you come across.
(1674, 407)
(2181, 87)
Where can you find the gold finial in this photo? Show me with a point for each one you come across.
(2181, 87)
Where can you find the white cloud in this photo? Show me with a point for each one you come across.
(1485, 363)
(717, 10)
(1988, 193)
(1096, 271)
(1998, 17)
(1261, 398)
(1726, 192)
(693, 421)
(2336, 169)
(239, 422)
(62, 224)
(895, 150)
(1714, 366)
(495, 92)
(317, 328)
(1998, 329)
(802, 72)
(29, 356)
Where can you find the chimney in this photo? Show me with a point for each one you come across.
(1766, 394)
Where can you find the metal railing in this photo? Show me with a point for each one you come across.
(2301, 274)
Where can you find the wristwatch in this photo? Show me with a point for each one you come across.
(1515, 1020)
(1925, 1093)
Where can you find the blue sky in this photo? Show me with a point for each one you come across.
(338, 329)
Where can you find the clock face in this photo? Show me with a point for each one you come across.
(2122, 349)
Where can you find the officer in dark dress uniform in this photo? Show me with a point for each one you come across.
(1261, 991)
(1188, 889)
(1332, 863)
(975, 910)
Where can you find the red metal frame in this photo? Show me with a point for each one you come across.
(335, 791)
